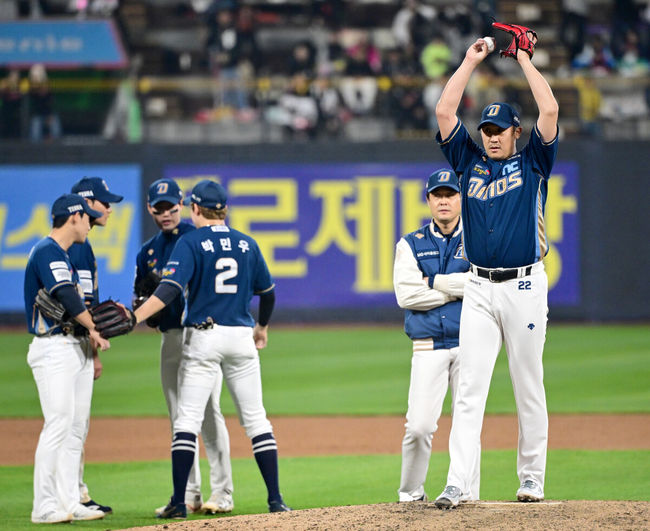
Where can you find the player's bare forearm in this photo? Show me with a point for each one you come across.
(543, 95)
(453, 91)
(96, 341)
(151, 306)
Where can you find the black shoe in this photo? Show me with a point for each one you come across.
(278, 507)
(92, 504)
(177, 511)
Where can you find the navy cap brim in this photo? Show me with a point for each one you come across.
(173, 199)
(187, 201)
(443, 185)
(500, 123)
(108, 197)
(91, 212)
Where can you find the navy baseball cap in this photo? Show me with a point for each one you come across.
(95, 188)
(500, 114)
(69, 204)
(442, 178)
(208, 194)
(164, 190)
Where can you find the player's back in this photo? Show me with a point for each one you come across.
(222, 269)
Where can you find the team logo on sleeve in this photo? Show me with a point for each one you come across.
(60, 271)
(207, 246)
(168, 271)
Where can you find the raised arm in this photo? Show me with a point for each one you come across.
(453, 91)
(546, 103)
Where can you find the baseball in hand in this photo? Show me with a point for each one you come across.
(489, 41)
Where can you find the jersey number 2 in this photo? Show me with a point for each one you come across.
(230, 266)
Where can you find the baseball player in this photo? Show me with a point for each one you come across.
(503, 195)
(96, 193)
(164, 204)
(61, 362)
(429, 277)
(220, 269)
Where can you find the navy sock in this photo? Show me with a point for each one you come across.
(183, 450)
(265, 451)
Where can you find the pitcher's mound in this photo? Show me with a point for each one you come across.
(548, 515)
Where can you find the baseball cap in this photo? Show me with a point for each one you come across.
(95, 188)
(208, 194)
(164, 190)
(69, 204)
(442, 178)
(500, 114)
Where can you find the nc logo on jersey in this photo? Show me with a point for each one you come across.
(207, 246)
(459, 252)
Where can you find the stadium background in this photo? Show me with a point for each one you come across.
(329, 203)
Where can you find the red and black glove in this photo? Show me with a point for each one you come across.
(523, 38)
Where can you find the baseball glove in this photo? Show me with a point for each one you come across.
(49, 306)
(143, 290)
(112, 319)
(523, 38)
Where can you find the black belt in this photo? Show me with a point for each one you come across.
(501, 275)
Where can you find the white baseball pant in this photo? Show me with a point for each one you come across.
(432, 371)
(213, 429)
(514, 311)
(206, 353)
(63, 373)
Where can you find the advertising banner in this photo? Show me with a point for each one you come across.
(26, 197)
(328, 231)
(61, 44)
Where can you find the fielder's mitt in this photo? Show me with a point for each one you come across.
(523, 38)
(143, 290)
(112, 319)
(49, 306)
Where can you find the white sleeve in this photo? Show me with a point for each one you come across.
(410, 289)
(452, 283)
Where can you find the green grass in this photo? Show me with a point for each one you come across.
(135, 489)
(357, 371)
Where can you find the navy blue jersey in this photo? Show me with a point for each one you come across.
(222, 269)
(152, 257)
(83, 261)
(436, 253)
(48, 267)
(503, 201)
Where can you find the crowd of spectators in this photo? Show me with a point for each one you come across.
(348, 71)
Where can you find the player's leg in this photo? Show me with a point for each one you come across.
(241, 369)
(524, 330)
(51, 360)
(217, 447)
(473, 492)
(72, 450)
(198, 377)
(480, 342)
(427, 390)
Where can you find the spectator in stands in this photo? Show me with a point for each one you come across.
(590, 100)
(573, 27)
(595, 56)
(11, 122)
(230, 63)
(44, 122)
(303, 59)
(296, 110)
(625, 17)
(435, 58)
(412, 24)
(332, 113)
(359, 85)
(631, 64)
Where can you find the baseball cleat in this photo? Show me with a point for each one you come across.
(83, 513)
(278, 507)
(92, 504)
(530, 491)
(406, 498)
(218, 503)
(173, 511)
(449, 498)
(52, 517)
(193, 502)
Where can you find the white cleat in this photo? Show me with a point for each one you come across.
(218, 503)
(82, 513)
(530, 491)
(52, 517)
(449, 498)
